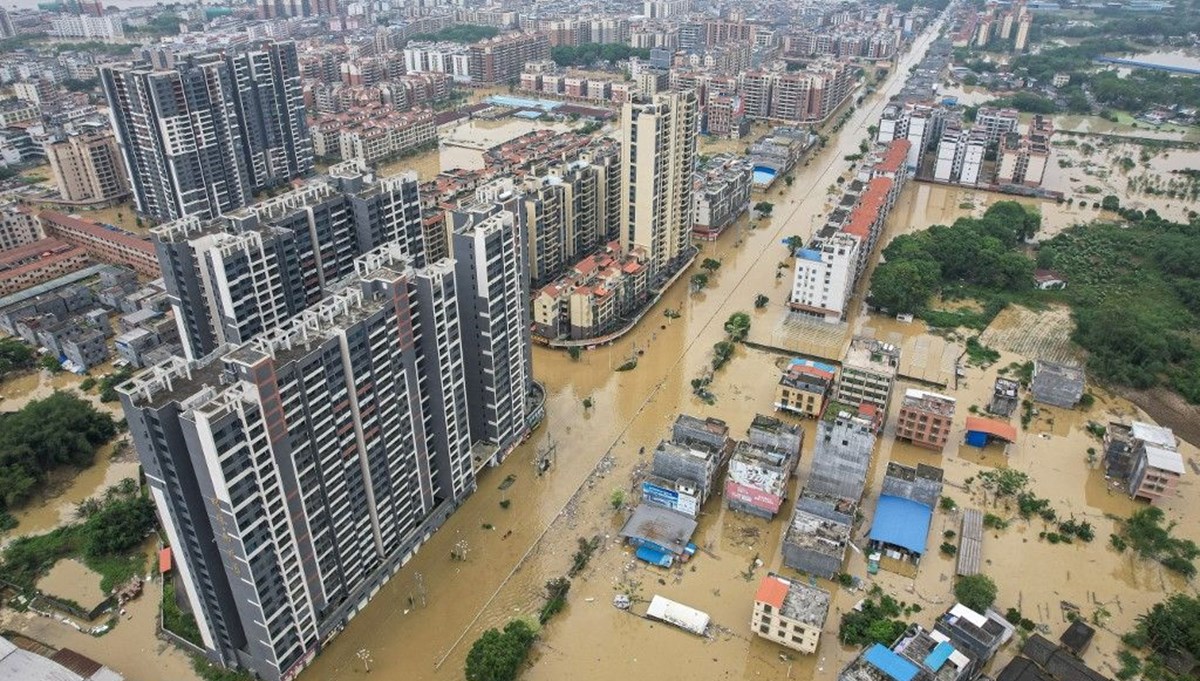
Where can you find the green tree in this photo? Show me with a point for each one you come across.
(764, 207)
(498, 655)
(14, 356)
(710, 265)
(575, 352)
(119, 526)
(794, 242)
(1173, 626)
(977, 592)
(617, 498)
(738, 326)
(1111, 202)
(760, 301)
(60, 430)
(699, 281)
(722, 353)
(903, 287)
(50, 363)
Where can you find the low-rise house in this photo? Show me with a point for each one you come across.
(790, 613)
(1047, 280)
(1004, 397)
(867, 373)
(804, 387)
(817, 534)
(925, 418)
(1057, 384)
(918, 655)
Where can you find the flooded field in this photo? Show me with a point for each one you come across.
(130, 648)
(71, 579)
(1087, 169)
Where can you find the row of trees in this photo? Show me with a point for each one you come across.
(60, 430)
(976, 252)
(591, 53)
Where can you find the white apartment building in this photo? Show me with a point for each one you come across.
(790, 613)
(823, 279)
(104, 29)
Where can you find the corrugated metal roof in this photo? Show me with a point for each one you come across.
(890, 663)
(901, 522)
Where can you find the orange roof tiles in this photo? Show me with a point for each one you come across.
(895, 156)
(869, 206)
(1000, 429)
(772, 590)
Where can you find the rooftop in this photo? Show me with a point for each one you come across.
(872, 355)
(821, 524)
(901, 522)
(1164, 459)
(663, 527)
(930, 402)
(1152, 434)
(794, 600)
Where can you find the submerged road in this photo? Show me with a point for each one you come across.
(420, 624)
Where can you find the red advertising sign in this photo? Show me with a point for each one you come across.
(754, 497)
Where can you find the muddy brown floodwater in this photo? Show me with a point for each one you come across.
(503, 577)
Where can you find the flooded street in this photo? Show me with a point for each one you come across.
(421, 624)
(503, 577)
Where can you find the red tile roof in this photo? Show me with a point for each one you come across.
(1000, 429)
(869, 206)
(772, 590)
(895, 156)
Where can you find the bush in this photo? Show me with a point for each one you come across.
(948, 549)
(977, 592)
(876, 622)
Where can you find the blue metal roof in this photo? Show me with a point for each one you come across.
(938, 656)
(901, 522)
(890, 663)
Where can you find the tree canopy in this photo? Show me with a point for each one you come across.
(60, 430)
(498, 655)
(975, 251)
(14, 355)
(1135, 293)
(1172, 626)
(460, 33)
(590, 53)
(977, 592)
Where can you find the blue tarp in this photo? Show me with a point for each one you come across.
(977, 438)
(890, 663)
(654, 557)
(938, 656)
(901, 522)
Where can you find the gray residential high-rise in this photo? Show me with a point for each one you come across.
(335, 405)
(294, 474)
(492, 263)
(201, 137)
(658, 157)
(234, 276)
